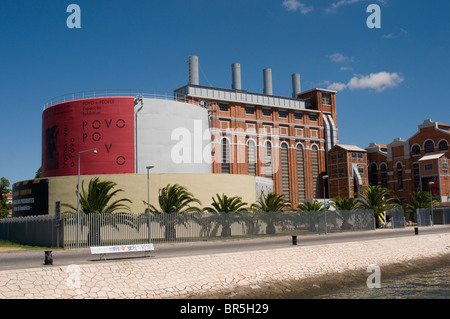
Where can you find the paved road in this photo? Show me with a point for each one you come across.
(35, 258)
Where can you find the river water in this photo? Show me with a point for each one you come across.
(430, 284)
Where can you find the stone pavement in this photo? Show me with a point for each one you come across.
(218, 275)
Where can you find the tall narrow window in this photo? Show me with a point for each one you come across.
(315, 170)
(416, 174)
(285, 170)
(415, 150)
(251, 157)
(429, 147)
(384, 175)
(326, 98)
(443, 146)
(400, 176)
(373, 174)
(268, 160)
(225, 156)
(300, 173)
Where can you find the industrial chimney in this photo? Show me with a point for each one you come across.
(236, 80)
(193, 70)
(296, 87)
(268, 81)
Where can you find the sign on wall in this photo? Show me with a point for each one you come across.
(30, 198)
(106, 124)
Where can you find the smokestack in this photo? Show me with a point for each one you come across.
(236, 70)
(296, 87)
(268, 81)
(193, 70)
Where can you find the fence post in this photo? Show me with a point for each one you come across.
(59, 225)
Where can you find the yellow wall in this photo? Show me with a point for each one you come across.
(202, 186)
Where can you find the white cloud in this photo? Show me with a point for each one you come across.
(337, 86)
(294, 5)
(340, 58)
(340, 3)
(375, 81)
(402, 32)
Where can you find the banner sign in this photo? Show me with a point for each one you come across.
(30, 198)
(106, 124)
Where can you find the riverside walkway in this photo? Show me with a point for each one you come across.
(254, 273)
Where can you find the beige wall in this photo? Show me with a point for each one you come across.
(202, 186)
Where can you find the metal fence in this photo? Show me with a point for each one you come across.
(133, 229)
(161, 95)
(436, 216)
(127, 228)
(45, 230)
(397, 218)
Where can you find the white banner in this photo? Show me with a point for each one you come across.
(121, 248)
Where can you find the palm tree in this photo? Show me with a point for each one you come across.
(312, 209)
(175, 204)
(97, 203)
(226, 212)
(269, 208)
(377, 198)
(419, 199)
(343, 207)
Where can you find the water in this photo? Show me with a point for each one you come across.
(431, 284)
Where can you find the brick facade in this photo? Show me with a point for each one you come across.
(265, 138)
(347, 171)
(405, 161)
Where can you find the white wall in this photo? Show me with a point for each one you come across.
(167, 131)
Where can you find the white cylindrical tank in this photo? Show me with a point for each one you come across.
(173, 136)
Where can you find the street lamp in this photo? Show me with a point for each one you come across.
(78, 190)
(431, 203)
(324, 177)
(148, 200)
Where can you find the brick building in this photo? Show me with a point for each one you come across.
(283, 139)
(347, 171)
(405, 166)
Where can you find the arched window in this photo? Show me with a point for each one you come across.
(429, 146)
(384, 175)
(285, 170)
(225, 156)
(268, 160)
(415, 150)
(443, 146)
(315, 170)
(251, 157)
(300, 173)
(373, 174)
(400, 176)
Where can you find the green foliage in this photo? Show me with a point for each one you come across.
(271, 203)
(4, 184)
(269, 209)
(310, 207)
(176, 201)
(38, 173)
(340, 203)
(226, 211)
(97, 203)
(97, 199)
(377, 198)
(419, 199)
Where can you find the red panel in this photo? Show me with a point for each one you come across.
(106, 124)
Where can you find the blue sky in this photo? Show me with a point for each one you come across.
(390, 79)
